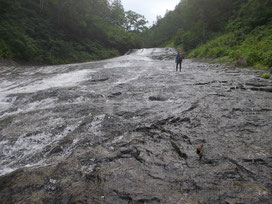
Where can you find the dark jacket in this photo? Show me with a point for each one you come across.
(179, 58)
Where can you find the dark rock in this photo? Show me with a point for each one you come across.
(115, 94)
(157, 98)
(177, 149)
(99, 80)
(255, 84)
(56, 150)
(241, 62)
(268, 89)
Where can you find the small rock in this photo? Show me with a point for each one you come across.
(9, 100)
(53, 181)
(115, 94)
(177, 149)
(157, 98)
(241, 62)
(56, 150)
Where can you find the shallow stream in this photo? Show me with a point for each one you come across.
(125, 130)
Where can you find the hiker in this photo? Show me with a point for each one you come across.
(179, 58)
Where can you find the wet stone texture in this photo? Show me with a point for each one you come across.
(125, 130)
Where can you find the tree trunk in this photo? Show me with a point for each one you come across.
(41, 4)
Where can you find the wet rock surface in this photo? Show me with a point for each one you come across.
(125, 130)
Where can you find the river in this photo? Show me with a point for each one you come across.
(126, 130)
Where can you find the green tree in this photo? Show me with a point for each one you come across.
(118, 16)
(63, 31)
(135, 22)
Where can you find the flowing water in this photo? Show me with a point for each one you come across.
(125, 130)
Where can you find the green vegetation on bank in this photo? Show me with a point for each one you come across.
(222, 29)
(65, 31)
(255, 47)
(266, 76)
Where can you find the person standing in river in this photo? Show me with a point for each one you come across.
(179, 59)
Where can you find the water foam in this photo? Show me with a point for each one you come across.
(68, 79)
(22, 152)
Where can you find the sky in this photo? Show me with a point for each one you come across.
(150, 8)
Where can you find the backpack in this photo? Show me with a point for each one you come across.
(180, 57)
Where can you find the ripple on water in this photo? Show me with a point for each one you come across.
(28, 149)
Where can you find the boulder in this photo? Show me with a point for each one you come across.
(241, 62)
(270, 70)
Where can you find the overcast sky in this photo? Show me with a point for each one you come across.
(150, 8)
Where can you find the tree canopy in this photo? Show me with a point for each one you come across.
(63, 31)
(195, 22)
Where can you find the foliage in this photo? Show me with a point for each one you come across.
(224, 29)
(64, 31)
(135, 22)
(117, 13)
(193, 22)
(266, 76)
(255, 47)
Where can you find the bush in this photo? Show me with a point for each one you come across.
(266, 76)
(5, 51)
(79, 31)
(255, 47)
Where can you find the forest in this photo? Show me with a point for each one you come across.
(65, 31)
(225, 30)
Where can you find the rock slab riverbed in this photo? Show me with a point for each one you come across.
(125, 130)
